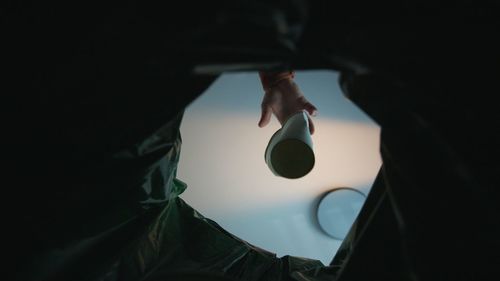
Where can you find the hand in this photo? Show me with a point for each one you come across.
(285, 99)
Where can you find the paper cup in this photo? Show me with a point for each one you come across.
(289, 152)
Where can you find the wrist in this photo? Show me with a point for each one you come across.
(271, 79)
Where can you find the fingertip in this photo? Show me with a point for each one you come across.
(312, 113)
(265, 117)
(311, 109)
(261, 123)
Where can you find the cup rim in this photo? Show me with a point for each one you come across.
(270, 141)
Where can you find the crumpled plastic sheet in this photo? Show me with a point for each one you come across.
(162, 237)
(182, 240)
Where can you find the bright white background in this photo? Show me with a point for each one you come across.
(222, 161)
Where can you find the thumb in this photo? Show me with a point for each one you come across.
(265, 116)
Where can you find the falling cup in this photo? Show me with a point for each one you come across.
(289, 152)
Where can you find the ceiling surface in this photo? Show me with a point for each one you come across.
(222, 161)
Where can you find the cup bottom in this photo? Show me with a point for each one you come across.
(292, 158)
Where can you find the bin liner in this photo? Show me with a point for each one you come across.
(150, 233)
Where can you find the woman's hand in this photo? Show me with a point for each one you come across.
(285, 99)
